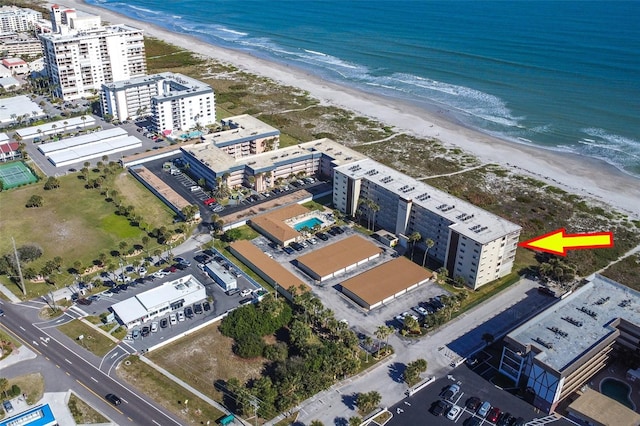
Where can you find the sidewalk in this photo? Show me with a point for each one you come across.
(12, 297)
(23, 353)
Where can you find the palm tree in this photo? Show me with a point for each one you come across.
(374, 208)
(84, 119)
(413, 239)
(383, 332)
(428, 243)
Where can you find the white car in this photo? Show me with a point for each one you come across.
(142, 270)
(154, 327)
(454, 412)
(180, 316)
(173, 320)
(245, 292)
(160, 274)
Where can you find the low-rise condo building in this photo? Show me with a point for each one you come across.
(470, 242)
(17, 19)
(174, 101)
(557, 352)
(80, 54)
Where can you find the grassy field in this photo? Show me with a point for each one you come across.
(78, 230)
(31, 384)
(205, 357)
(93, 340)
(83, 413)
(166, 392)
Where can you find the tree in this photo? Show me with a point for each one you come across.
(232, 235)
(488, 338)
(189, 212)
(428, 243)
(4, 386)
(366, 402)
(443, 274)
(29, 252)
(411, 324)
(413, 239)
(413, 370)
(123, 245)
(383, 332)
(368, 341)
(316, 423)
(34, 201)
(355, 421)
(459, 281)
(52, 183)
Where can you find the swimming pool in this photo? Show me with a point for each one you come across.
(309, 223)
(615, 389)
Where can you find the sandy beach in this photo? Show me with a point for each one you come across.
(580, 175)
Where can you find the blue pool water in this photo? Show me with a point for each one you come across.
(615, 389)
(190, 135)
(310, 223)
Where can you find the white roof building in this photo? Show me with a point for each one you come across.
(72, 123)
(18, 108)
(81, 54)
(17, 19)
(159, 301)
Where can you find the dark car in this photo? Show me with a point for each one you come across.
(181, 266)
(188, 312)
(440, 407)
(85, 302)
(123, 287)
(297, 246)
(206, 306)
(338, 230)
(288, 250)
(504, 419)
(451, 392)
(7, 406)
(322, 236)
(113, 399)
(246, 301)
(332, 232)
(517, 422)
(145, 331)
(472, 421)
(473, 403)
(197, 308)
(493, 415)
(547, 291)
(233, 292)
(164, 323)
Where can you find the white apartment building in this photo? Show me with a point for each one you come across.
(17, 19)
(469, 241)
(80, 54)
(20, 45)
(175, 101)
(182, 103)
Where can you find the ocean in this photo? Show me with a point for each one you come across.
(564, 75)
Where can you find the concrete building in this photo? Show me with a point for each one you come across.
(9, 150)
(469, 241)
(594, 409)
(17, 19)
(338, 258)
(159, 301)
(382, 284)
(221, 276)
(20, 44)
(16, 65)
(557, 352)
(40, 415)
(272, 224)
(18, 109)
(263, 171)
(71, 124)
(245, 136)
(176, 102)
(81, 55)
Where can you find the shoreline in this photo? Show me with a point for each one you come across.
(589, 177)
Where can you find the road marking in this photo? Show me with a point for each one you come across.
(125, 401)
(67, 373)
(68, 361)
(115, 354)
(95, 380)
(35, 343)
(130, 419)
(156, 422)
(22, 328)
(20, 338)
(87, 388)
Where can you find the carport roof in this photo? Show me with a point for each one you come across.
(383, 281)
(268, 266)
(273, 222)
(339, 255)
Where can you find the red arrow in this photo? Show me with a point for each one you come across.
(558, 241)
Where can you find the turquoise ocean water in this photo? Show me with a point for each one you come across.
(560, 74)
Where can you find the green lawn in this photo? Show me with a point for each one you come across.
(93, 340)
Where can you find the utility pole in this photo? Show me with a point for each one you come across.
(15, 251)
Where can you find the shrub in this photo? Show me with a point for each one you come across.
(15, 391)
(249, 346)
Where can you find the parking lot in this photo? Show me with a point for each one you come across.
(219, 301)
(416, 409)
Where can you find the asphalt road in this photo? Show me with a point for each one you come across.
(135, 409)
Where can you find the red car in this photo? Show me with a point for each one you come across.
(209, 201)
(493, 415)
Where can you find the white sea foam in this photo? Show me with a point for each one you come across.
(142, 9)
(227, 30)
(315, 53)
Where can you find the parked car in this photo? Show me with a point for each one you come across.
(288, 250)
(206, 306)
(246, 301)
(113, 399)
(484, 409)
(197, 308)
(188, 312)
(233, 292)
(164, 323)
(296, 246)
(472, 421)
(1, 313)
(440, 407)
(504, 419)
(473, 403)
(493, 415)
(142, 270)
(180, 316)
(322, 236)
(182, 261)
(173, 320)
(135, 334)
(8, 407)
(454, 412)
(312, 241)
(146, 330)
(422, 311)
(338, 230)
(209, 201)
(154, 327)
(451, 392)
(245, 292)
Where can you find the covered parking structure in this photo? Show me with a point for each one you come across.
(267, 268)
(384, 283)
(338, 258)
(272, 225)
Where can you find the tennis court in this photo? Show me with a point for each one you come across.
(16, 174)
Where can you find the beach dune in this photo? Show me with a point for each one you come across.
(584, 176)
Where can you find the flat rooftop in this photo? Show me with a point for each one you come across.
(603, 410)
(73, 123)
(244, 128)
(219, 161)
(278, 273)
(467, 219)
(162, 188)
(567, 330)
(383, 281)
(221, 273)
(339, 255)
(273, 222)
(18, 105)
